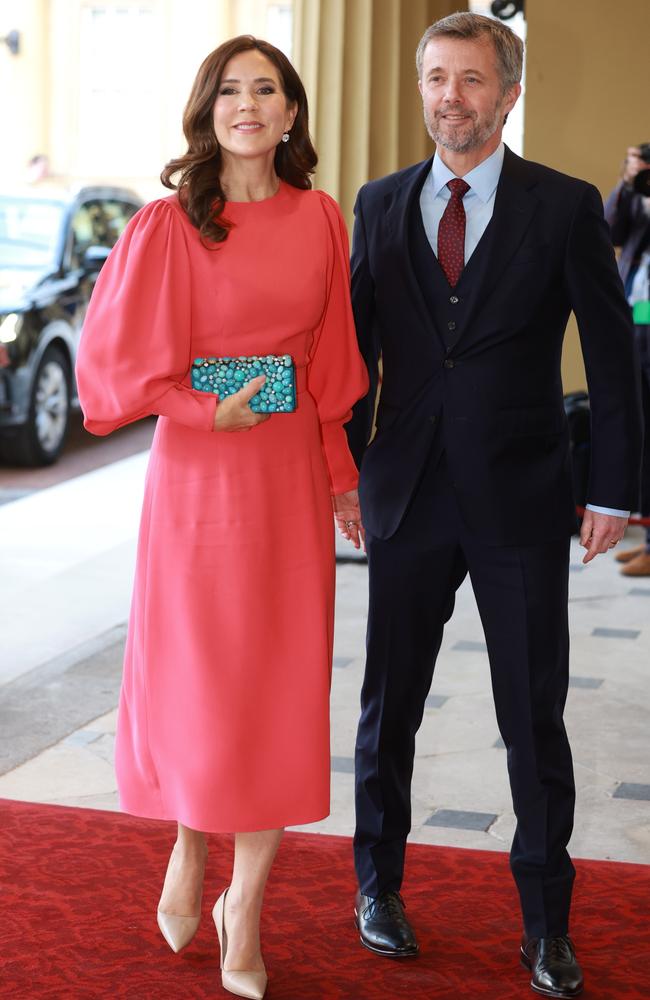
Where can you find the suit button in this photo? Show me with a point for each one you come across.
(451, 325)
(448, 363)
(432, 420)
(454, 300)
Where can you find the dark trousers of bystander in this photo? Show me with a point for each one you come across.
(642, 334)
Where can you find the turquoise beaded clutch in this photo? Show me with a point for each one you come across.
(223, 376)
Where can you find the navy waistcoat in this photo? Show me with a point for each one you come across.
(450, 308)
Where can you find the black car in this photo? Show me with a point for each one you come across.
(52, 246)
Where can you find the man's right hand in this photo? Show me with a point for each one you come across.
(234, 414)
(633, 164)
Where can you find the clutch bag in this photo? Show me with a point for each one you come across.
(223, 376)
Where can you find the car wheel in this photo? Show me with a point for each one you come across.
(40, 441)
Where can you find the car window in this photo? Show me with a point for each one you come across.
(29, 229)
(97, 223)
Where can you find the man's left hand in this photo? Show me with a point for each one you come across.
(600, 532)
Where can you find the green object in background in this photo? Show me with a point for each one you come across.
(641, 313)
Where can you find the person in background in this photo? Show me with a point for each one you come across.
(223, 720)
(465, 269)
(628, 214)
(38, 169)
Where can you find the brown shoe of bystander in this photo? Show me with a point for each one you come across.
(627, 555)
(640, 566)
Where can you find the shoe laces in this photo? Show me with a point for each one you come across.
(559, 948)
(389, 904)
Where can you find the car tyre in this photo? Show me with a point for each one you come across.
(41, 440)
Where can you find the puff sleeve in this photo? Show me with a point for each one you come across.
(135, 348)
(336, 374)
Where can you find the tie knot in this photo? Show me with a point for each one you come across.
(458, 187)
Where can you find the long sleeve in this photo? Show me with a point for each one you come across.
(619, 213)
(135, 348)
(607, 339)
(336, 375)
(363, 305)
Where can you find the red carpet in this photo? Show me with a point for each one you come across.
(77, 919)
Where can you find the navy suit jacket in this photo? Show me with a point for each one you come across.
(497, 409)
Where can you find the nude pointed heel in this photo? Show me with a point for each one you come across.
(177, 931)
(242, 984)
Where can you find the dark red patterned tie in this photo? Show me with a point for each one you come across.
(451, 232)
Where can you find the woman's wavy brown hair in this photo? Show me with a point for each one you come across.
(199, 184)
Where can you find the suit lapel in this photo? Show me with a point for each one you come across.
(399, 202)
(514, 207)
(399, 206)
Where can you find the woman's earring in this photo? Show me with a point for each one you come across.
(285, 137)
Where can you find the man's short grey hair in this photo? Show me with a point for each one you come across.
(508, 47)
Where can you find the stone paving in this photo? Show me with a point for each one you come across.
(67, 557)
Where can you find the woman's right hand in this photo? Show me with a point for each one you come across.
(234, 414)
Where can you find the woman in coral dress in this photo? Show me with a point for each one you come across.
(224, 713)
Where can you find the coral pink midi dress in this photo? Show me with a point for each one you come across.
(223, 721)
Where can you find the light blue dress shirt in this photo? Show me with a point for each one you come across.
(478, 202)
(479, 206)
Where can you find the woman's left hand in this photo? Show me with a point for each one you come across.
(347, 515)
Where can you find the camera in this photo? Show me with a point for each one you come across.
(505, 9)
(641, 182)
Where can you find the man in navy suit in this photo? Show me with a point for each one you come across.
(465, 269)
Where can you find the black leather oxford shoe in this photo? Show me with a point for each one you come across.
(554, 967)
(383, 927)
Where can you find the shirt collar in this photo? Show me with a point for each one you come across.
(482, 180)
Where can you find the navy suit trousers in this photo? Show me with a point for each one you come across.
(522, 594)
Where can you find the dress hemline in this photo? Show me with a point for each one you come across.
(163, 816)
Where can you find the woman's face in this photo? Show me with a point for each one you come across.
(251, 110)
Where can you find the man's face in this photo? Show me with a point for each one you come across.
(462, 95)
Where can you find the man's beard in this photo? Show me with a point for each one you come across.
(464, 141)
